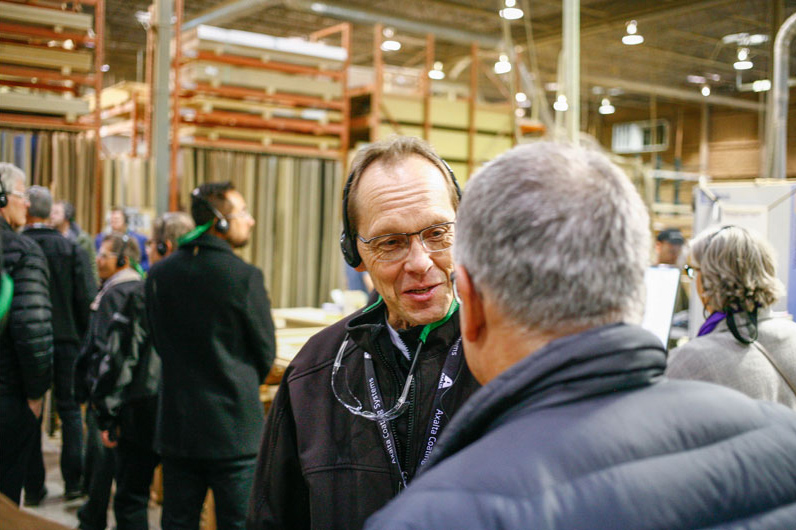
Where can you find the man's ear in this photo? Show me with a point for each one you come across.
(169, 246)
(471, 313)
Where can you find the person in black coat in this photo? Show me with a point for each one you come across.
(26, 342)
(71, 290)
(211, 325)
(576, 425)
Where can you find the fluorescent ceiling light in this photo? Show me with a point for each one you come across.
(632, 40)
(436, 72)
(520, 97)
(503, 66)
(105, 67)
(561, 104)
(761, 85)
(705, 91)
(696, 79)
(390, 46)
(743, 65)
(519, 113)
(511, 13)
(606, 107)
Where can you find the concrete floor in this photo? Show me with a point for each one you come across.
(54, 507)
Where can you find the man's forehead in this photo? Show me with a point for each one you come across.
(414, 168)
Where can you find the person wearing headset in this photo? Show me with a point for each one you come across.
(26, 343)
(122, 285)
(167, 229)
(211, 325)
(360, 408)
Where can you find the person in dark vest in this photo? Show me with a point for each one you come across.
(71, 291)
(360, 408)
(576, 425)
(26, 340)
(211, 324)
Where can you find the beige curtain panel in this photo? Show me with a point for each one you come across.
(63, 161)
(296, 203)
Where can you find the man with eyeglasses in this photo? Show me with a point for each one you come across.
(361, 407)
(26, 343)
(210, 319)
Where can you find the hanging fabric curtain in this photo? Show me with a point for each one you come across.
(62, 161)
(296, 203)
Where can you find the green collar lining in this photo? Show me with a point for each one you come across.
(6, 293)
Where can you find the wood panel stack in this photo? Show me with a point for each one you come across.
(47, 60)
(250, 91)
(123, 110)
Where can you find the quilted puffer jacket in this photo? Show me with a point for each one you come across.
(587, 433)
(26, 343)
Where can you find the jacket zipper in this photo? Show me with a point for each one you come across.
(410, 431)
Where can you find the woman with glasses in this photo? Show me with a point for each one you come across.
(741, 344)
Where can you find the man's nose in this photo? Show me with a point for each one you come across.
(418, 260)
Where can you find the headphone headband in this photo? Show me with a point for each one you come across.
(348, 244)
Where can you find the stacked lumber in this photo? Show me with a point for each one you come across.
(46, 59)
(123, 110)
(401, 111)
(244, 90)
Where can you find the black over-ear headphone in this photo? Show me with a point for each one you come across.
(121, 259)
(3, 196)
(348, 243)
(222, 224)
(162, 248)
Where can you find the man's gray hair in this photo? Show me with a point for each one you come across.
(737, 268)
(10, 175)
(171, 226)
(41, 202)
(557, 235)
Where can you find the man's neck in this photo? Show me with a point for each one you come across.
(34, 221)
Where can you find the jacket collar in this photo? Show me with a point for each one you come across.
(4, 224)
(207, 241)
(365, 328)
(123, 276)
(598, 361)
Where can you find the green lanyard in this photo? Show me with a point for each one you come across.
(6, 294)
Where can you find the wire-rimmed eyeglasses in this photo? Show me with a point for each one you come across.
(393, 247)
(346, 398)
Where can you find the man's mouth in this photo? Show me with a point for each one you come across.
(420, 291)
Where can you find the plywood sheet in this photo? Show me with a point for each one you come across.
(238, 133)
(78, 61)
(27, 14)
(209, 103)
(219, 74)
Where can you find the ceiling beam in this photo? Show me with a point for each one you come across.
(646, 13)
(228, 11)
(367, 16)
(673, 93)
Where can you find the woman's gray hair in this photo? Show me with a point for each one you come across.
(10, 175)
(557, 235)
(737, 269)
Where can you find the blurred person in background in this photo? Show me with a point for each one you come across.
(62, 218)
(71, 290)
(741, 344)
(26, 342)
(116, 263)
(167, 229)
(118, 223)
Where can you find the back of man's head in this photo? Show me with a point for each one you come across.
(558, 236)
(171, 226)
(210, 194)
(41, 202)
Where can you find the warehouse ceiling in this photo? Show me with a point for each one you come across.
(682, 38)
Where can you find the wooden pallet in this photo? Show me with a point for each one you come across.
(63, 60)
